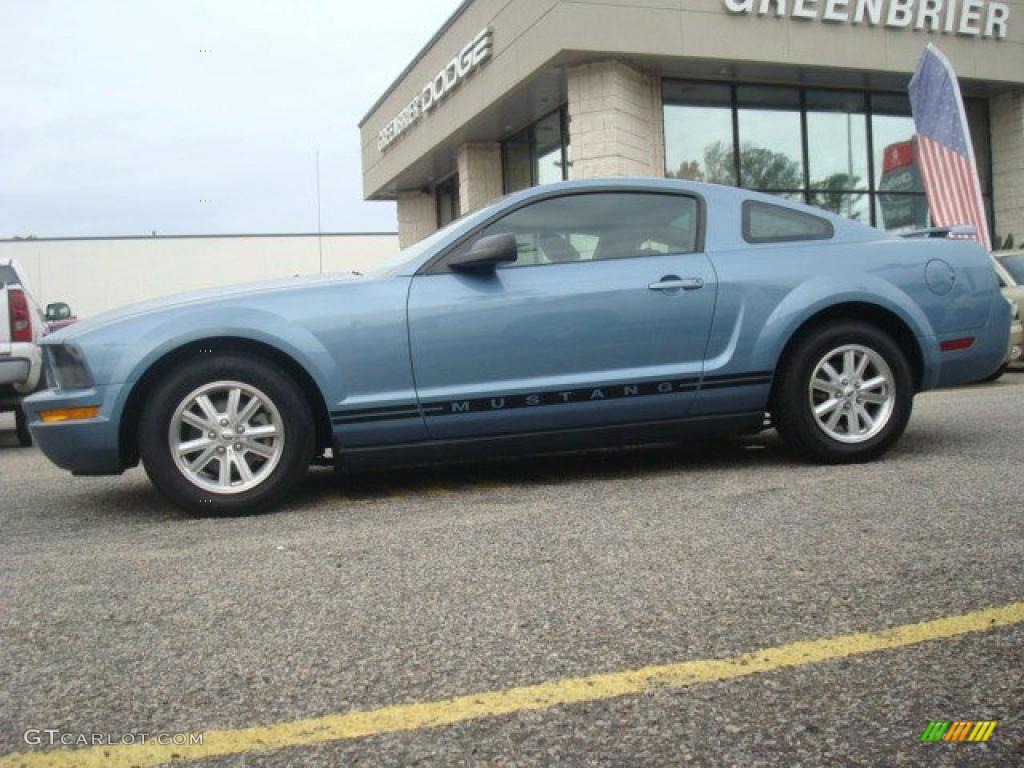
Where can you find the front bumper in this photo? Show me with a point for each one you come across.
(21, 367)
(87, 447)
(14, 370)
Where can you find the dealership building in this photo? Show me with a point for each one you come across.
(801, 98)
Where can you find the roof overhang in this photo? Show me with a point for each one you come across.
(535, 42)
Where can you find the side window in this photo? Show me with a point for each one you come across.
(595, 226)
(767, 223)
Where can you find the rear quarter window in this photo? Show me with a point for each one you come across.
(767, 223)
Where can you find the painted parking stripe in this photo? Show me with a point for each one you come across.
(435, 714)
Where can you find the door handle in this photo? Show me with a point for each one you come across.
(677, 283)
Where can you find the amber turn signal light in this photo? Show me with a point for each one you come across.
(69, 414)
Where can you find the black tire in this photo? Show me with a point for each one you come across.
(296, 416)
(792, 414)
(21, 428)
(997, 374)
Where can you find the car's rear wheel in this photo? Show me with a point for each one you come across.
(843, 394)
(227, 434)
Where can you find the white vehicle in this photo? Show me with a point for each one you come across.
(21, 327)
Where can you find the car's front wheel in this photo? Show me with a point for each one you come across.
(226, 434)
(843, 394)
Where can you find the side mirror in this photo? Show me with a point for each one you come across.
(58, 311)
(486, 254)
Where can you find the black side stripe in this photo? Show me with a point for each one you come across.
(376, 409)
(739, 376)
(375, 417)
(564, 396)
(736, 380)
(550, 397)
(354, 415)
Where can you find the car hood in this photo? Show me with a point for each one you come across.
(200, 297)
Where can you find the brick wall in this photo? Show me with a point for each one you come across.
(479, 175)
(1007, 116)
(615, 124)
(417, 216)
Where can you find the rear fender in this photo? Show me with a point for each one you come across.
(821, 293)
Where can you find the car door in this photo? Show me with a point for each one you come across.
(602, 319)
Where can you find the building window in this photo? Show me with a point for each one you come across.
(699, 132)
(838, 178)
(538, 154)
(446, 197)
(516, 162)
(849, 152)
(770, 154)
(900, 203)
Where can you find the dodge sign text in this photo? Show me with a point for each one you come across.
(444, 82)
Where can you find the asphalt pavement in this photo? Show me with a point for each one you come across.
(121, 614)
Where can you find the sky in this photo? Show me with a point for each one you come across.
(195, 116)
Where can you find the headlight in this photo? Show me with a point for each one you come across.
(65, 368)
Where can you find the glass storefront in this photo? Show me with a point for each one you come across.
(699, 132)
(446, 198)
(850, 152)
(538, 154)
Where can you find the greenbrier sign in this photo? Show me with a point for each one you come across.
(972, 18)
(469, 59)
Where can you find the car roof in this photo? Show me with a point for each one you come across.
(701, 188)
(717, 197)
(722, 201)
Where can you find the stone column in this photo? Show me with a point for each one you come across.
(479, 167)
(417, 216)
(1006, 112)
(615, 122)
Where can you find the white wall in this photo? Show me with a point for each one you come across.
(93, 275)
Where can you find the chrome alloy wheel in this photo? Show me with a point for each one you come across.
(852, 393)
(226, 437)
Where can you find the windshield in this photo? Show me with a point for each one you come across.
(394, 265)
(8, 276)
(1015, 266)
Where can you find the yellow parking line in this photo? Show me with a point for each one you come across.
(433, 714)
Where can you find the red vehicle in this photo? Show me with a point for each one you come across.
(58, 315)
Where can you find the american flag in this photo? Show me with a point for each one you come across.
(944, 149)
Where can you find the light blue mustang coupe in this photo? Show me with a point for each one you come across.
(567, 316)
